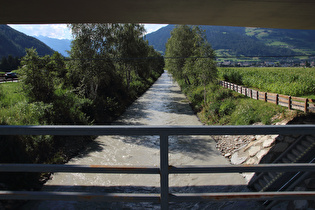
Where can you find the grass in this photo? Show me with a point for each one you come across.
(15, 108)
(312, 96)
(226, 107)
(11, 94)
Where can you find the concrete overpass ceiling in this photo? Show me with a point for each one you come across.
(291, 14)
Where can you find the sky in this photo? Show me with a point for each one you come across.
(61, 31)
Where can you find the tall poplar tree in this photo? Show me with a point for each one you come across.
(186, 45)
(179, 47)
(189, 57)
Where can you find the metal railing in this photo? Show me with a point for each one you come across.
(164, 197)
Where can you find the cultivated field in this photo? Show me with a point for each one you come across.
(281, 80)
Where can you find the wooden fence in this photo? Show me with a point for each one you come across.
(291, 102)
(3, 79)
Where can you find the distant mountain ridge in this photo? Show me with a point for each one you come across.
(13, 42)
(60, 45)
(243, 41)
(226, 41)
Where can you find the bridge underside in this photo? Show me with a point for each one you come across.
(291, 14)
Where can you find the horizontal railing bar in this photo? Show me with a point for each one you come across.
(155, 130)
(79, 196)
(199, 197)
(132, 197)
(243, 168)
(78, 168)
(290, 167)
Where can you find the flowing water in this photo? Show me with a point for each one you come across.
(162, 104)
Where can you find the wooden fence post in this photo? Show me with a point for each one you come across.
(305, 105)
(277, 99)
(289, 103)
(265, 96)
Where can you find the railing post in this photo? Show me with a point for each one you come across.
(164, 171)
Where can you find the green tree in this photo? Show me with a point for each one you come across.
(13, 62)
(156, 62)
(131, 48)
(92, 71)
(179, 47)
(108, 65)
(190, 57)
(91, 67)
(44, 79)
(36, 78)
(4, 65)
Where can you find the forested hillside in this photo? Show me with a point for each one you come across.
(13, 42)
(242, 41)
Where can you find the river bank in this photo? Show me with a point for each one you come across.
(162, 104)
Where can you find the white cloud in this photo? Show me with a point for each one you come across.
(61, 31)
(58, 31)
(153, 27)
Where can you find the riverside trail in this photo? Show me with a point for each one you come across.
(162, 104)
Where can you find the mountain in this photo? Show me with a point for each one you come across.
(159, 38)
(60, 45)
(244, 41)
(13, 42)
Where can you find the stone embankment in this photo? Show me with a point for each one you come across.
(256, 149)
(253, 149)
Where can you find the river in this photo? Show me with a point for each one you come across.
(162, 104)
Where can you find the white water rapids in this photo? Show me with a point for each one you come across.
(162, 104)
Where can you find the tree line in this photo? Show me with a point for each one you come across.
(108, 67)
(9, 63)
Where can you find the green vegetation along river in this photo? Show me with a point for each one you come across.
(162, 104)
